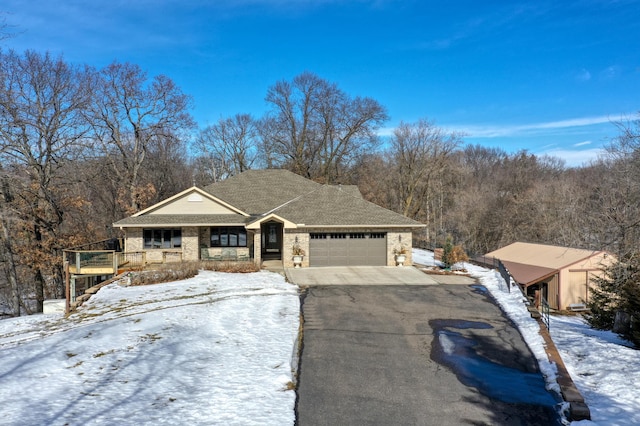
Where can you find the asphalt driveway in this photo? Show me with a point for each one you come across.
(422, 355)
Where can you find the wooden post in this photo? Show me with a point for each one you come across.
(115, 263)
(67, 305)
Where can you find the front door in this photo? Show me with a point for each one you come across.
(272, 241)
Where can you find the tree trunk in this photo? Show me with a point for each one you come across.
(6, 251)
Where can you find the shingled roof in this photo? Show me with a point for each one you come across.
(329, 206)
(171, 220)
(259, 191)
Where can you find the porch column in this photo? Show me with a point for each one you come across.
(257, 247)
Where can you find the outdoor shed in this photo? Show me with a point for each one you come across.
(267, 215)
(562, 275)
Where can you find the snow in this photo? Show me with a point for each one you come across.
(220, 349)
(604, 367)
(215, 349)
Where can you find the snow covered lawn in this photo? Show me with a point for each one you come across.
(603, 366)
(214, 349)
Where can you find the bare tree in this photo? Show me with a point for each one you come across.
(41, 128)
(167, 167)
(231, 145)
(128, 114)
(371, 174)
(620, 199)
(7, 250)
(315, 129)
(5, 32)
(420, 152)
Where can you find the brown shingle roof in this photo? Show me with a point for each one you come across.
(330, 206)
(182, 219)
(259, 191)
(290, 196)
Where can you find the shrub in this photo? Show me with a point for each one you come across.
(235, 267)
(457, 254)
(617, 290)
(181, 271)
(165, 273)
(453, 254)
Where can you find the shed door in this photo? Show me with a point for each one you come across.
(578, 290)
(348, 249)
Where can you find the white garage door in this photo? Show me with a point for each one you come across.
(348, 249)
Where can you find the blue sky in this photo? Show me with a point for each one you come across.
(546, 76)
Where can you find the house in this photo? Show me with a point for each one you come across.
(262, 215)
(562, 275)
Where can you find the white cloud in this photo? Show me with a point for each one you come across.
(610, 72)
(385, 131)
(575, 158)
(583, 75)
(496, 131)
(582, 143)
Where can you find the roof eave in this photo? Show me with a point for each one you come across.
(363, 226)
(173, 225)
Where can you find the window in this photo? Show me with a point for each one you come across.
(377, 235)
(162, 238)
(228, 237)
(318, 236)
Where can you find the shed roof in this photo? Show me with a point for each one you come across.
(528, 274)
(546, 256)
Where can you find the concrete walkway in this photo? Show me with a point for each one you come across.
(359, 275)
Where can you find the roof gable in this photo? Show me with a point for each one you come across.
(257, 222)
(191, 201)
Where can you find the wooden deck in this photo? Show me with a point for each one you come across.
(110, 262)
(95, 262)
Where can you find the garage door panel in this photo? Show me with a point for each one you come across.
(318, 252)
(348, 249)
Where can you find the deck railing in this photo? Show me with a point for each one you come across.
(545, 310)
(131, 260)
(107, 262)
(93, 262)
